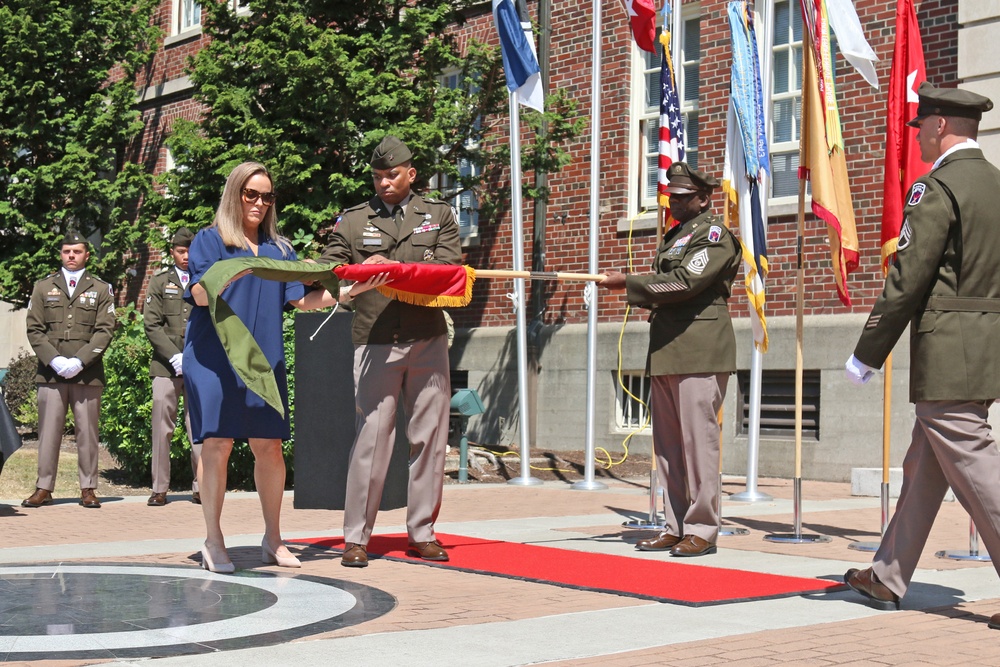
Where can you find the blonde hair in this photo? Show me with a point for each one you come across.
(229, 215)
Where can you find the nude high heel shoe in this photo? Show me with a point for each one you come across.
(269, 557)
(220, 568)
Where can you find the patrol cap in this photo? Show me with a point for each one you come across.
(685, 179)
(949, 102)
(390, 152)
(182, 237)
(74, 238)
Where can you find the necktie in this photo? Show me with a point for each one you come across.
(397, 215)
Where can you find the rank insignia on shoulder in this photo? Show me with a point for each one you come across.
(714, 233)
(916, 194)
(905, 233)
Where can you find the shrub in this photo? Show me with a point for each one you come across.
(19, 389)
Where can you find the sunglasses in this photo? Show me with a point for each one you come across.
(251, 196)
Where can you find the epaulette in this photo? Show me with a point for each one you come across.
(162, 271)
(51, 275)
(356, 208)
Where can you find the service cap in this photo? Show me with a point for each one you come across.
(74, 238)
(182, 237)
(949, 102)
(685, 179)
(390, 152)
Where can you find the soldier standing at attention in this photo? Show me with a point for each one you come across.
(692, 351)
(399, 347)
(70, 321)
(945, 285)
(164, 318)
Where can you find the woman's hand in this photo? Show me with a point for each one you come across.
(377, 280)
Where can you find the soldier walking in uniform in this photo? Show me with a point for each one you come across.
(164, 318)
(945, 286)
(70, 321)
(400, 350)
(692, 351)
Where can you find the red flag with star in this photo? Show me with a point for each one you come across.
(642, 19)
(902, 153)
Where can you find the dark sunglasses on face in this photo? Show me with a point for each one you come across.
(251, 196)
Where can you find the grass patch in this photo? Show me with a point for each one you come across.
(20, 472)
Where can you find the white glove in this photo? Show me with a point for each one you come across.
(175, 361)
(72, 369)
(857, 372)
(59, 364)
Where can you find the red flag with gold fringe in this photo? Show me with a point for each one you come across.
(438, 285)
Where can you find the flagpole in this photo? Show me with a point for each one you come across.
(525, 478)
(590, 292)
(800, 297)
(751, 494)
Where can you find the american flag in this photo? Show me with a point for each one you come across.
(671, 122)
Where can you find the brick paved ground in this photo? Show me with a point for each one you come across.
(470, 619)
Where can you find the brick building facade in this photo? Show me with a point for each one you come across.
(485, 346)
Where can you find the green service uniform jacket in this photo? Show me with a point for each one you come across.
(945, 284)
(689, 329)
(80, 326)
(428, 233)
(164, 318)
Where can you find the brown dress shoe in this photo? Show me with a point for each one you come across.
(692, 545)
(354, 555)
(428, 550)
(994, 623)
(866, 582)
(38, 498)
(157, 500)
(196, 498)
(661, 542)
(89, 499)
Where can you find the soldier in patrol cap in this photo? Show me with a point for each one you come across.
(70, 321)
(164, 318)
(692, 351)
(945, 286)
(399, 347)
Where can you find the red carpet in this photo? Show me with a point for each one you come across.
(665, 579)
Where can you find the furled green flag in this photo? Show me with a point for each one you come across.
(244, 353)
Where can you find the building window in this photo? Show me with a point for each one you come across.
(632, 401)
(777, 404)
(454, 188)
(786, 98)
(687, 80)
(188, 13)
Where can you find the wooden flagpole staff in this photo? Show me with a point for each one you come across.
(540, 275)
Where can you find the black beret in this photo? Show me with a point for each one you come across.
(74, 238)
(685, 179)
(949, 102)
(182, 237)
(390, 152)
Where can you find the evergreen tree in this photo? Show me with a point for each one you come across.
(68, 130)
(309, 88)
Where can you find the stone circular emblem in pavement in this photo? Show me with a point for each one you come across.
(60, 612)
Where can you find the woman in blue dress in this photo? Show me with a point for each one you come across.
(221, 407)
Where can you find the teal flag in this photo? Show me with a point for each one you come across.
(245, 355)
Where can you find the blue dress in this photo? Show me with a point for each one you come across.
(218, 401)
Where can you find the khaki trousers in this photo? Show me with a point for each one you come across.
(419, 374)
(684, 410)
(952, 445)
(166, 391)
(54, 399)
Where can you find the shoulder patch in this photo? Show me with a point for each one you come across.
(714, 233)
(916, 194)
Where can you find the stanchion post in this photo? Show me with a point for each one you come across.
(654, 490)
(973, 552)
